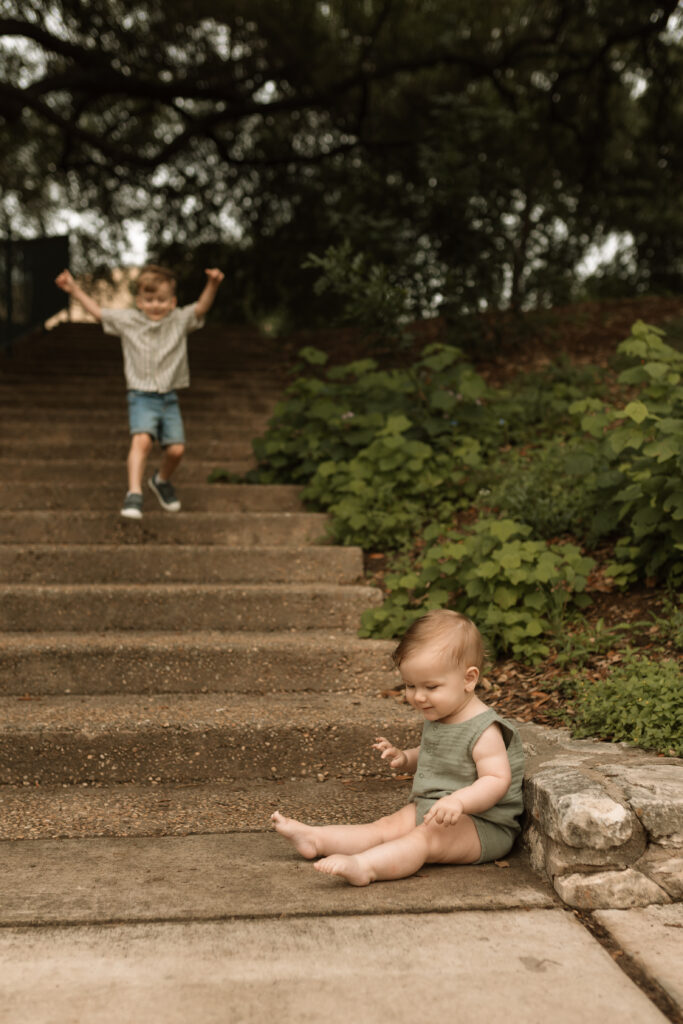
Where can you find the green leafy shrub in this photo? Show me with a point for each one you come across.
(544, 398)
(551, 487)
(390, 489)
(642, 499)
(334, 417)
(517, 589)
(640, 702)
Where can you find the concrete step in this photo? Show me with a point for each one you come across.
(235, 529)
(173, 606)
(105, 496)
(192, 662)
(76, 396)
(226, 375)
(106, 433)
(83, 471)
(178, 563)
(196, 737)
(116, 448)
(175, 809)
(210, 417)
(224, 878)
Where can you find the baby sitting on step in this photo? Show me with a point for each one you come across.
(467, 788)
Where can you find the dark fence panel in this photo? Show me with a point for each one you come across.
(28, 294)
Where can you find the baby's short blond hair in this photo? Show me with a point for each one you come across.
(449, 633)
(152, 275)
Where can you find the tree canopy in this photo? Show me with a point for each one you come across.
(476, 150)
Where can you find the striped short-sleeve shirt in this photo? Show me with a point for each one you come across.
(154, 351)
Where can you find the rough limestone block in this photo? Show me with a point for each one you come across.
(667, 871)
(604, 890)
(574, 809)
(655, 792)
(561, 859)
(535, 844)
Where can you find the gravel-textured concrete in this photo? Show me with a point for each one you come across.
(233, 528)
(202, 497)
(195, 737)
(64, 470)
(182, 563)
(116, 449)
(242, 805)
(170, 606)
(182, 662)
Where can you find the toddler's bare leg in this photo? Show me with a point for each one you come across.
(140, 447)
(443, 844)
(321, 840)
(170, 460)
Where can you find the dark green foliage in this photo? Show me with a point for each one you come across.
(640, 702)
(335, 416)
(517, 589)
(551, 487)
(641, 500)
(476, 152)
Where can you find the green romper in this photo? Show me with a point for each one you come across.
(445, 764)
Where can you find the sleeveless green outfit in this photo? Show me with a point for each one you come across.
(445, 764)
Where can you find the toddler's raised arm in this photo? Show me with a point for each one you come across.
(66, 282)
(214, 276)
(405, 760)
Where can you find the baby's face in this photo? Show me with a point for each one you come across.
(157, 302)
(437, 688)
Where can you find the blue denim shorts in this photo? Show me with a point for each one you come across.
(156, 414)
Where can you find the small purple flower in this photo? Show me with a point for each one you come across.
(347, 415)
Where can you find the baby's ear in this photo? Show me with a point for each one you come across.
(471, 677)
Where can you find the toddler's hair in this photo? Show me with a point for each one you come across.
(151, 276)
(450, 633)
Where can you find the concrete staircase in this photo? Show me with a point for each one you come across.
(191, 672)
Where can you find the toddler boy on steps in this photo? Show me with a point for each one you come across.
(154, 342)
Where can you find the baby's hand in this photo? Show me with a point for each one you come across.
(390, 753)
(445, 811)
(214, 275)
(65, 281)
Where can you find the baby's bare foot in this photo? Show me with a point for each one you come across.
(349, 868)
(301, 836)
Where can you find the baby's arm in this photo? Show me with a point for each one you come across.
(493, 781)
(66, 282)
(406, 760)
(205, 300)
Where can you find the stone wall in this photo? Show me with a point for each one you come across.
(604, 821)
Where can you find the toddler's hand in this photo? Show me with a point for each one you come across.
(65, 281)
(214, 275)
(445, 811)
(390, 753)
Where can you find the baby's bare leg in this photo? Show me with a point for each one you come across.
(401, 857)
(321, 840)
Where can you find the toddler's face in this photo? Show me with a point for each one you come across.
(440, 690)
(157, 302)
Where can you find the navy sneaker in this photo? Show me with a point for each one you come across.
(166, 494)
(132, 506)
